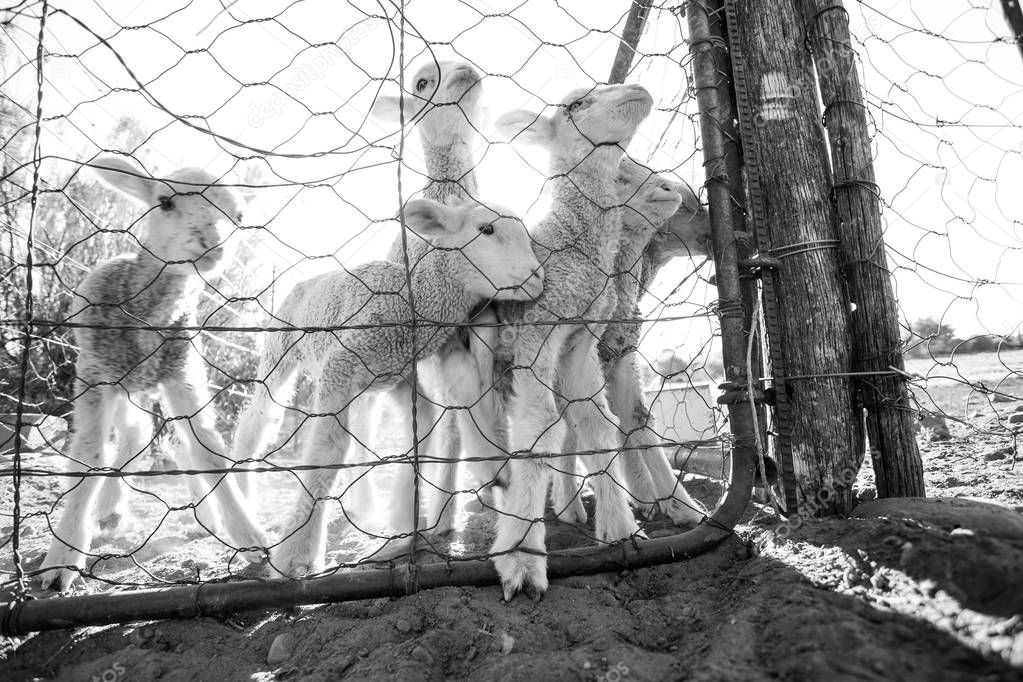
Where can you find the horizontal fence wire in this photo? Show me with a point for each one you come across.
(252, 272)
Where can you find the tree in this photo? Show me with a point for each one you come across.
(929, 337)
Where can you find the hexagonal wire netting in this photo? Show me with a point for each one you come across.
(178, 416)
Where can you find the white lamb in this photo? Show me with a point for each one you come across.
(478, 254)
(445, 105)
(121, 362)
(554, 351)
(654, 230)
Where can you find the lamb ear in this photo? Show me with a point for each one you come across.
(386, 108)
(128, 177)
(431, 219)
(525, 127)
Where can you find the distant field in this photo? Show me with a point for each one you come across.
(959, 385)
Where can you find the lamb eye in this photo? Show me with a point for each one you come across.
(575, 106)
(487, 229)
(166, 203)
(421, 84)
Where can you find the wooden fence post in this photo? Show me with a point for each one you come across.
(898, 469)
(813, 309)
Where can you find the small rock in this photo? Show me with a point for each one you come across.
(281, 648)
(1016, 418)
(376, 608)
(908, 554)
(422, 655)
(1004, 627)
(507, 643)
(1016, 655)
(892, 541)
(1002, 643)
(962, 532)
(1019, 408)
(587, 665)
(403, 626)
(688, 611)
(143, 637)
(601, 644)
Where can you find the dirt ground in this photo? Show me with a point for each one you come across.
(928, 598)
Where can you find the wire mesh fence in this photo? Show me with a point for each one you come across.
(329, 276)
(314, 249)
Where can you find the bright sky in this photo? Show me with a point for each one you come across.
(299, 87)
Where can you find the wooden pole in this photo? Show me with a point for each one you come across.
(630, 39)
(898, 469)
(813, 313)
(1014, 16)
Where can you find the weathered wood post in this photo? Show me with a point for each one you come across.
(898, 469)
(813, 310)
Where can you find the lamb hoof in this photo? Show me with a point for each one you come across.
(647, 512)
(534, 593)
(293, 564)
(622, 527)
(683, 514)
(574, 513)
(59, 579)
(296, 569)
(394, 549)
(523, 572)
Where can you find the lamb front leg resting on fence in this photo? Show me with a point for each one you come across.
(536, 427)
(90, 448)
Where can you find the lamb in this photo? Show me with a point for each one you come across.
(686, 232)
(577, 244)
(181, 243)
(447, 106)
(478, 254)
(654, 230)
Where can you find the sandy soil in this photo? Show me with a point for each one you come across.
(927, 598)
